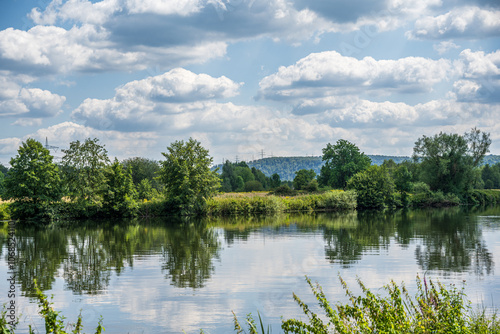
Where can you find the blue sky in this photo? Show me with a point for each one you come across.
(246, 76)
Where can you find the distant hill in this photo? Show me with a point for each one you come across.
(287, 166)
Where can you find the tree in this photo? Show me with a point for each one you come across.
(253, 186)
(342, 161)
(83, 169)
(2, 187)
(402, 180)
(373, 186)
(302, 178)
(33, 181)
(187, 177)
(448, 160)
(143, 168)
(491, 176)
(261, 177)
(275, 180)
(119, 195)
(3, 169)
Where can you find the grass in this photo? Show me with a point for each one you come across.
(260, 202)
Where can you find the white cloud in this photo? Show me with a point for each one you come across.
(445, 46)
(16, 101)
(118, 144)
(175, 100)
(46, 50)
(479, 77)
(327, 73)
(178, 85)
(464, 22)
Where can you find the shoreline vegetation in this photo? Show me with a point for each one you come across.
(264, 203)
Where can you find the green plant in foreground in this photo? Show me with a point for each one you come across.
(434, 309)
(54, 322)
(252, 327)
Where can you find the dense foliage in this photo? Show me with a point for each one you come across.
(448, 161)
(374, 187)
(187, 177)
(342, 161)
(305, 179)
(83, 166)
(33, 182)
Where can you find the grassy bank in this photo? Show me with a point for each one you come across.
(261, 203)
(249, 203)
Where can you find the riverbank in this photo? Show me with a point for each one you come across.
(251, 203)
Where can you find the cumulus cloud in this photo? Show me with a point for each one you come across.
(350, 15)
(45, 50)
(118, 143)
(463, 22)
(16, 101)
(329, 73)
(479, 77)
(168, 100)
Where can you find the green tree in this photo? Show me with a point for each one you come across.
(240, 184)
(402, 180)
(253, 186)
(146, 191)
(491, 176)
(2, 187)
(3, 169)
(120, 193)
(33, 181)
(275, 180)
(187, 177)
(448, 160)
(302, 178)
(374, 188)
(228, 177)
(83, 169)
(342, 161)
(261, 177)
(143, 168)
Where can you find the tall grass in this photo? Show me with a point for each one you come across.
(249, 203)
(434, 309)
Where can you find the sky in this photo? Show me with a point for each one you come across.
(247, 78)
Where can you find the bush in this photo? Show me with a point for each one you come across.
(374, 187)
(4, 211)
(482, 197)
(284, 190)
(434, 199)
(434, 309)
(224, 206)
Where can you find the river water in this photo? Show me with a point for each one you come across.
(171, 275)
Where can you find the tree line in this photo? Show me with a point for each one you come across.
(444, 167)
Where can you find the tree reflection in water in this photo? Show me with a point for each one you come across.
(87, 254)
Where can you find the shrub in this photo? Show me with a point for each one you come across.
(4, 211)
(284, 190)
(434, 309)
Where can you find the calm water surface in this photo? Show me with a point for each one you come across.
(166, 276)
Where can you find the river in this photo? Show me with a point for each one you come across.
(171, 275)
